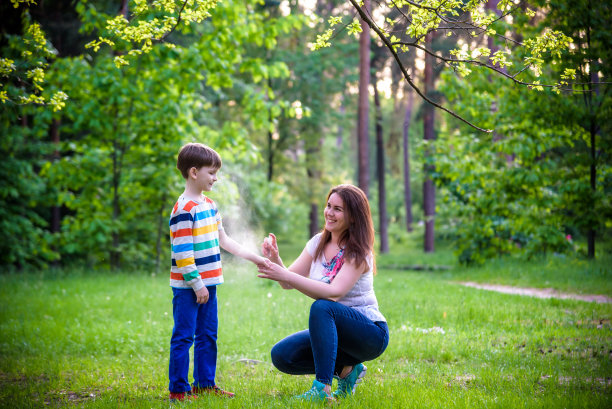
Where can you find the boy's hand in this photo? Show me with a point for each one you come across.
(259, 261)
(202, 295)
(272, 271)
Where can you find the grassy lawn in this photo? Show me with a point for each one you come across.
(91, 340)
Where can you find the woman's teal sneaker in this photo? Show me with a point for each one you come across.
(347, 385)
(315, 394)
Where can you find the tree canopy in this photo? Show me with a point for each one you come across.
(97, 103)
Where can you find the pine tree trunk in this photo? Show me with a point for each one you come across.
(363, 109)
(313, 156)
(270, 157)
(406, 150)
(429, 192)
(380, 170)
(56, 216)
(393, 145)
(313, 226)
(115, 254)
(270, 142)
(492, 6)
(593, 131)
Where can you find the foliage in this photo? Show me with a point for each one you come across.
(111, 169)
(121, 129)
(136, 30)
(526, 189)
(23, 195)
(503, 208)
(23, 66)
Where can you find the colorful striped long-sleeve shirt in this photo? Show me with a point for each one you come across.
(194, 235)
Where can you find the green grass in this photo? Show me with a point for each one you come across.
(70, 339)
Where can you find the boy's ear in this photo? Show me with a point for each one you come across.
(193, 172)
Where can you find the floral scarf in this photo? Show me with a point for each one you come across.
(332, 268)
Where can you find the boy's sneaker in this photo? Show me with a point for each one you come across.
(181, 396)
(214, 390)
(347, 385)
(315, 394)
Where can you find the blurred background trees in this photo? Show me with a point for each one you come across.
(90, 134)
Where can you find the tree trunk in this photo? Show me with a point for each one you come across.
(380, 170)
(593, 180)
(429, 192)
(124, 9)
(270, 139)
(492, 6)
(363, 110)
(313, 226)
(340, 132)
(593, 131)
(270, 157)
(115, 255)
(393, 145)
(406, 150)
(56, 216)
(313, 157)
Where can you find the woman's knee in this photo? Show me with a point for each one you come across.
(321, 306)
(279, 357)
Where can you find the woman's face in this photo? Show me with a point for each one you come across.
(336, 220)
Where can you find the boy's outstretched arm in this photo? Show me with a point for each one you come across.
(237, 249)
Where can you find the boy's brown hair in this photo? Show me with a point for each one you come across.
(196, 155)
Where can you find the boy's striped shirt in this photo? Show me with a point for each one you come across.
(194, 236)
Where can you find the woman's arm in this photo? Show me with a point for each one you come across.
(300, 267)
(342, 283)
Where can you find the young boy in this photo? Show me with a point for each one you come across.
(196, 233)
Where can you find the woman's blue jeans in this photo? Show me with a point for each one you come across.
(193, 324)
(338, 336)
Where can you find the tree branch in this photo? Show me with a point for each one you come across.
(178, 21)
(481, 64)
(455, 24)
(373, 26)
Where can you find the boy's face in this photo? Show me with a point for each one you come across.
(206, 177)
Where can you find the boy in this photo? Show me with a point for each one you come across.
(196, 233)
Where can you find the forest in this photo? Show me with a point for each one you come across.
(480, 131)
(484, 125)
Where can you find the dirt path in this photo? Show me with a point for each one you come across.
(538, 292)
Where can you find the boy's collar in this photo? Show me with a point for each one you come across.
(201, 198)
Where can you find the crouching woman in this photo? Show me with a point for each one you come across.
(336, 269)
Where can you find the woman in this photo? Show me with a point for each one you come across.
(336, 269)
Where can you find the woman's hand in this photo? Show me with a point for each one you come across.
(272, 271)
(269, 249)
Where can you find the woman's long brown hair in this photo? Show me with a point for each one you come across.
(358, 238)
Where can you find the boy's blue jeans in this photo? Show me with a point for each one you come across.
(338, 336)
(193, 324)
